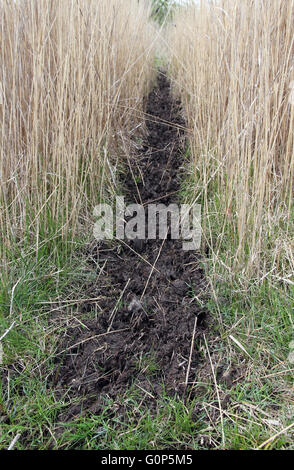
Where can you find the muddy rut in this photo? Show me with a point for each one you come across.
(148, 313)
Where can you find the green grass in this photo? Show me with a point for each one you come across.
(256, 403)
(26, 401)
(172, 425)
(242, 396)
(261, 320)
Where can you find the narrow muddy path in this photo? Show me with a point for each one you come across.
(149, 319)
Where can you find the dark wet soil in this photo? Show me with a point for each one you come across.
(149, 314)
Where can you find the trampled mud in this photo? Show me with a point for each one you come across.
(148, 310)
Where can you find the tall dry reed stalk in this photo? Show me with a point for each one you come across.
(233, 63)
(72, 79)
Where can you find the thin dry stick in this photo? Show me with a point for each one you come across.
(268, 441)
(153, 268)
(161, 197)
(112, 316)
(13, 442)
(147, 393)
(12, 297)
(7, 331)
(72, 302)
(89, 339)
(191, 352)
(232, 415)
(217, 393)
(150, 118)
(143, 259)
(277, 373)
(134, 179)
(1, 354)
(147, 262)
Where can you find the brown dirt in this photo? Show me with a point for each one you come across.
(137, 326)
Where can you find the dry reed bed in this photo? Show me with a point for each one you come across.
(233, 64)
(72, 79)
